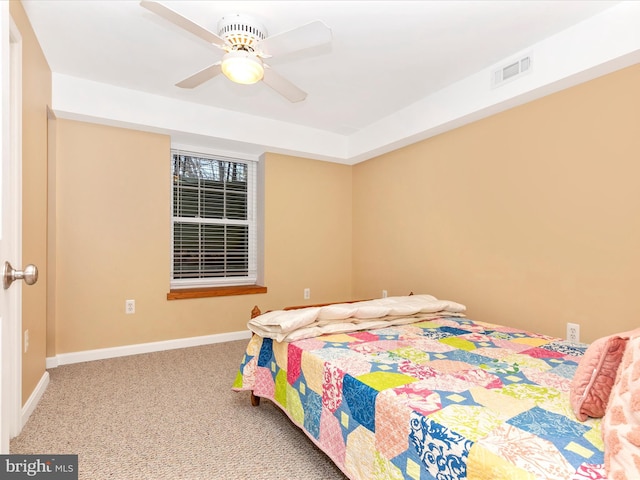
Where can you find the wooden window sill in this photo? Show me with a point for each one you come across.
(184, 293)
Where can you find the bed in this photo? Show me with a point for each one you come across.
(410, 388)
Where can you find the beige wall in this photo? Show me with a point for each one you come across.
(36, 96)
(530, 217)
(113, 241)
(308, 231)
(527, 217)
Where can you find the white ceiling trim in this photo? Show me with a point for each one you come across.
(596, 46)
(81, 99)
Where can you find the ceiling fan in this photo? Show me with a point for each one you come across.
(246, 44)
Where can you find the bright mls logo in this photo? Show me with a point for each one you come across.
(50, 467)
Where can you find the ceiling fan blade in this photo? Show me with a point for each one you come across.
(306, 36)
(201, 77)
(283, 86)
(182, 22)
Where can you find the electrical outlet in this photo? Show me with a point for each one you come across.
(129, 306)
(573, 332)
(26, 341)
(384, 294)
(307, 293)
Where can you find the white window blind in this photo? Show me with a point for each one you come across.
(214, 220)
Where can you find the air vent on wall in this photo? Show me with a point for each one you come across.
(511, 71)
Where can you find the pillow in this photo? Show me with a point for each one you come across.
(371, 311)
(621, 422)
(406, 305)
(337, 311)
(430, 304)
(594, 377)
(287, 320)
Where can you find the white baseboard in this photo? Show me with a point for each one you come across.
(31, 404)
(104, 353)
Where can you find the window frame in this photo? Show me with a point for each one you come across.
(232, 285)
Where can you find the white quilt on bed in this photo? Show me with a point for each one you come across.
(290, 325)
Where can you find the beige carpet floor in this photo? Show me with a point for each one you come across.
(168, 415)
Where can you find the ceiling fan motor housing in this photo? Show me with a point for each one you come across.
(241, 32)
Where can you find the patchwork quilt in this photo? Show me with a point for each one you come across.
(444, 398)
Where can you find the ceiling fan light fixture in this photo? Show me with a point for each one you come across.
(242, 67)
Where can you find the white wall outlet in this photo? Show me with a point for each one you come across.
(26, 341)
(129, 306)
(573, 332)
(307, 293)
(384, 294)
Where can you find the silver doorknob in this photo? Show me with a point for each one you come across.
(9, 274)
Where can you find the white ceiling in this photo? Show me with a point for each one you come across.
(386, 58)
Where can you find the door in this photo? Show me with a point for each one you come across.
(10, 225)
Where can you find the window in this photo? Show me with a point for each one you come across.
(214, 221)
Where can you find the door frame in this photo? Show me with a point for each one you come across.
(11, 233)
